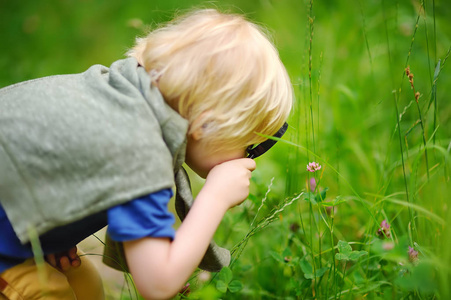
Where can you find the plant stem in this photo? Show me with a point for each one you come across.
(402, 155)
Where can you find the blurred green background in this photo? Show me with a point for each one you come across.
(347, 61)
(359, 53)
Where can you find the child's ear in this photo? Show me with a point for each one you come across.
(197, 133)
(199, 126)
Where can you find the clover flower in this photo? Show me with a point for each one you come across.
(313, 167)
(413, 255)
(387, 246)
(186, 290)
(204, 276)
(384, 230)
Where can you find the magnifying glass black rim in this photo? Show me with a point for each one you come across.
(254, 152)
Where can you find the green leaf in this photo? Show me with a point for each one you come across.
(225, 275)
(221, 286)
(322, 195)
(277, 256)
(341, 256)
(310, 197)
(355, 255)
(320, 272)
(344, 247)
(235, 286)
(337, 200)
(287, 252)
(306, 267)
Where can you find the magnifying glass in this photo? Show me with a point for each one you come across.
(261, 148)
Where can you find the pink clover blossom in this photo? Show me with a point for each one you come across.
(313, 167)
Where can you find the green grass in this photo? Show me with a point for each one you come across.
(384, 155)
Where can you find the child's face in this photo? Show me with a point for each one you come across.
(201, 159)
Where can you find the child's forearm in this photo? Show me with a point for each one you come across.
(160, 267)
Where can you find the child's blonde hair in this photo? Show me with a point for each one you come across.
(221, 71)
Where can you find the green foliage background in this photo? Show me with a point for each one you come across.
(347, 62)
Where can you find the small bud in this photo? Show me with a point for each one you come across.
(312, 184)
(417, 96)
(294, 227)
(384, 230)
(387, 246)
(204, 276)
(186, 290)
(413, 255)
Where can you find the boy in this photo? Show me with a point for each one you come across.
(102, 147)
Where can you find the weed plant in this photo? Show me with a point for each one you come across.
(368, 220)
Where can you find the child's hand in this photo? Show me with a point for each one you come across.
(64, 261)
(230, 181)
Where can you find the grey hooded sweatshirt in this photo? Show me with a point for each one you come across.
(74, 145)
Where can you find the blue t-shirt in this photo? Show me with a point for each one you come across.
(146, 216)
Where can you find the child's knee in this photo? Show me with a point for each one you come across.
(85, 280)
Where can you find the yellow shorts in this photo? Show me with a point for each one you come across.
(25, 282)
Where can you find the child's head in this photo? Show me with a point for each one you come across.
(221, 73)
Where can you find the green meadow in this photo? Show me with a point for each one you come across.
(371, 82)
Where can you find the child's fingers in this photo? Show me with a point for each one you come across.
(65, 263)
(74, 258)
(72, 253)
(51, 259)
(248, 163)
(65, 260)
(76, 262)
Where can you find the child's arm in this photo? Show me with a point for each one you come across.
(161, 267)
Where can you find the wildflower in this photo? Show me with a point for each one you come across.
(387, 246)
(313, 166)
(413, 255)
(312, 184)
(204, 276)
(384, 229)
(185, 290)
